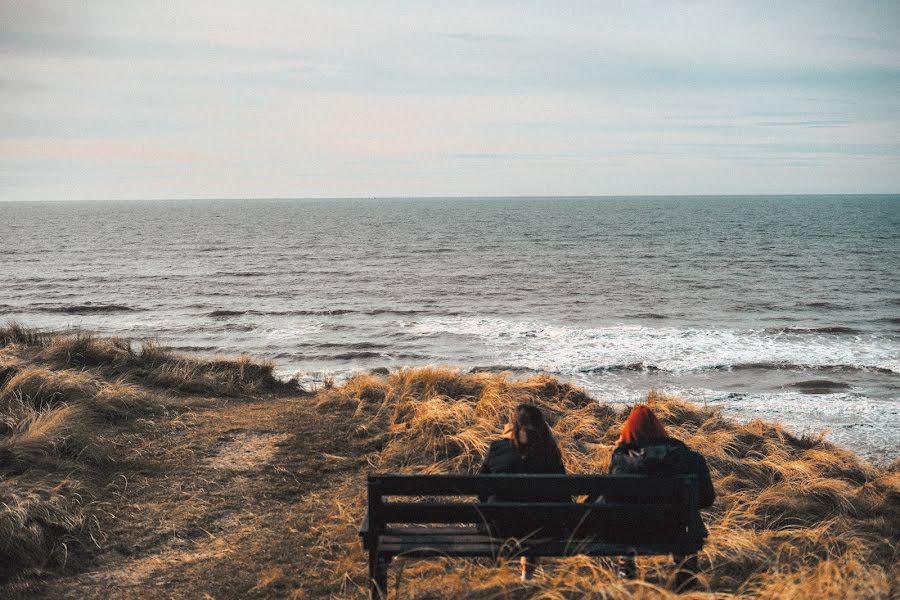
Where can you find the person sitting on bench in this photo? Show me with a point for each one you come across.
(644, 448)
(527, 446)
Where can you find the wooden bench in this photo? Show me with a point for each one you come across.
(435, 515)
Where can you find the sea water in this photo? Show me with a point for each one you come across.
(783, 308)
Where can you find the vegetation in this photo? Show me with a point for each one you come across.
(132, 469)
(795, 517)
(59, 397)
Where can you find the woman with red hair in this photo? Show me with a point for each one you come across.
(644, 448)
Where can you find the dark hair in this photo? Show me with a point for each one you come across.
(533, 439)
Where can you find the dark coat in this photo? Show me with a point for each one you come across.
(667, 456)
(502, 457)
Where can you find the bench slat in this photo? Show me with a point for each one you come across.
(536, 512)
(524, 485)
(556, 548)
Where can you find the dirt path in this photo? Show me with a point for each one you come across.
(221, 500)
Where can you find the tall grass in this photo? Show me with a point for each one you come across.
(796, 517)
(156, 366)
(16, 333)
(59, 396)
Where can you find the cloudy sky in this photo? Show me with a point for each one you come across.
(211, 99)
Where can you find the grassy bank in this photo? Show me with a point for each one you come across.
(129, 471)
(69, 406)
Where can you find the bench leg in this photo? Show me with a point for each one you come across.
(687, 568)
(378, 575)
(626, 567)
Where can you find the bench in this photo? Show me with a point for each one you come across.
(420, 516)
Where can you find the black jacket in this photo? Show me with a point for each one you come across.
(667, 456)
(502, 457)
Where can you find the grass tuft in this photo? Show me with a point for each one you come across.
(14, 333)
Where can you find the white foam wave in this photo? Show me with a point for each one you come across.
(869, 427)
(565, 349)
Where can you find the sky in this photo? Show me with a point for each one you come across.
(221, 99)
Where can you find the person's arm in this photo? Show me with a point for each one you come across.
(485, 470)
(706, 493)
(485, 465)
(559, 467)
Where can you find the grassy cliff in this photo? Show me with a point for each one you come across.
(129, 471)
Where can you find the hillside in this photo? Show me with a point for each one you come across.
(128, 471)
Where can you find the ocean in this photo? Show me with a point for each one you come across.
(782, 308)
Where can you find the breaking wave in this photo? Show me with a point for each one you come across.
(565, 349)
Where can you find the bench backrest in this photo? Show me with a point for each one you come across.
(636, 509)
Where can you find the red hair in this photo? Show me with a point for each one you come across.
(641, 427)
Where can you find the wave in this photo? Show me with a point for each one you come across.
(780, 366)
(243, 273)
(352, 355)
(86, 309)
(227, 313)
(502, 369)
(639, 348)
(753, 366)
(193, 348)
(819, 386)
(638, 366)
(647, 315)
(355, 346)
(324, 312)
(391, 311)
(813, 330)
(826, 305)
(357, 354)
(280, 313)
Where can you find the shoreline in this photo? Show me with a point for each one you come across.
(808, 400)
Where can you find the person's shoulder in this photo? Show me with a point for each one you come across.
(674, 443)
(623, 448)
(678, 445)
(686, 454)
(500, 445)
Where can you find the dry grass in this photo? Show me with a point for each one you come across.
(795, 518)
(59, 397)
(15, 333)
(38, 518)
(148, 361)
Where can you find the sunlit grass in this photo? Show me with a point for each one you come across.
(796, 517)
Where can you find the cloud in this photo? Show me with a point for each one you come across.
(483, 38)
(404, 97)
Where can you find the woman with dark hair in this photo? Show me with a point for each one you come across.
(527, 446)
(644, 448)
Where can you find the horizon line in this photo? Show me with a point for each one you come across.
(468, 197)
